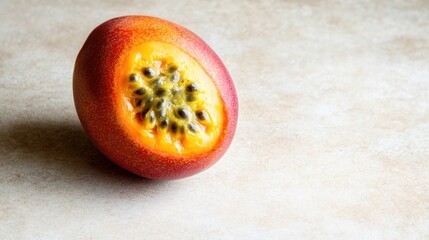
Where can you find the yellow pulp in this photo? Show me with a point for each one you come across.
(146, 119)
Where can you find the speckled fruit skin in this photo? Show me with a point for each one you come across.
(96, 86)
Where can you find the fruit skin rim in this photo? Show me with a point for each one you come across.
(95, 93)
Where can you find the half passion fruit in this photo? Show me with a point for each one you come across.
(154, 97)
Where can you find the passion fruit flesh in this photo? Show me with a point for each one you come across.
(172, 103)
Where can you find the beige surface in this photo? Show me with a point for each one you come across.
(332, 141)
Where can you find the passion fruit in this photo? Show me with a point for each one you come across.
(154, 97)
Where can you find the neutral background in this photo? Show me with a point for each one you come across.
(332, 141)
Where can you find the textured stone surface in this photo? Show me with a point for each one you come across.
(332, 141)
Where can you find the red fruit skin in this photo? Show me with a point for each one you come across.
(97, 91)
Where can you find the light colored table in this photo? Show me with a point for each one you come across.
(332, 142)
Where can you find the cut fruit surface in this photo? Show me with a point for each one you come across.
(170, 100)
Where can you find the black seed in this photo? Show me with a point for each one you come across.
(160, 92)
(192, 87)
(173, 127)
(140, 91)
(148, 102)
(144, 112)
(175, 77)
(163, 123)
(161, 114)
(182, 129)
(172, 69)
(149, 72)
(157, 82)
(133, 77)
(139, 102)
(192, 127)
(190, 98)
(175, 91)
(183, 113)
(201, 115)
(161, 104)
(151, 117)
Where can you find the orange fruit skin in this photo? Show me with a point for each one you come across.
(98, 102)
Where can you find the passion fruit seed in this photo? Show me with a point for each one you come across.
(139, 102)
(183, 113)
(148, 102)
(144, 112)
(192, 87)
(175, 77)
(190, 98)
(172, 69)
(161, 104)
(175, 91)
(133, 77)
(192, 127)
(157, 82)
(151, 117)
(174, 127)
(140, 91)
(161, 114)
(160, 92)
(163, 123)
(201, 115)
(149, 72)
(165, 103)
